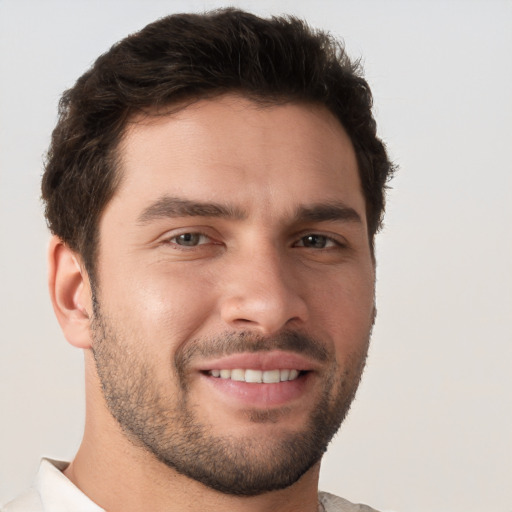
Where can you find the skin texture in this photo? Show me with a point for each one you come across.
(237, 232)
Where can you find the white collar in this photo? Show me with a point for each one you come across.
(58, 493)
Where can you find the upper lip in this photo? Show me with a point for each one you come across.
(272, 360)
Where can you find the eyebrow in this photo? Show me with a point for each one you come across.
(167, 206)
(327, 212)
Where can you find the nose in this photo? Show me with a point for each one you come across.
(262, 292)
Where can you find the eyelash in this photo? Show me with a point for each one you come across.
(173, 240)
(328, 240)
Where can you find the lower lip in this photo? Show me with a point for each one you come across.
(261, 396)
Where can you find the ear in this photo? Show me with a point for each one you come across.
(70, 292)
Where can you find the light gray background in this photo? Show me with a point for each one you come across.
(431, 429)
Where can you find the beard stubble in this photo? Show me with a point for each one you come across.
(169, 428)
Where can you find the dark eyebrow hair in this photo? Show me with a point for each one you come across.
(326, 212)
(168, 206)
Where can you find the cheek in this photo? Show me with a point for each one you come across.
(345, 308)
(162, 307)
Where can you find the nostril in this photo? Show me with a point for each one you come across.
(268, 312)
(243, 321)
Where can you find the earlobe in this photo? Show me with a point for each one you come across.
(70, 293)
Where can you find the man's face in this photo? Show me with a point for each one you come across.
(235, 292)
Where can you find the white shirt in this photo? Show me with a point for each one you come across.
(53, 492)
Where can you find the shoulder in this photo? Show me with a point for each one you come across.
(29, 501)
(52, 492)
(332, 503)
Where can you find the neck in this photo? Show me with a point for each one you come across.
(115, 490)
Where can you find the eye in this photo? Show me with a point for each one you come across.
(315, 241)
(189, 239)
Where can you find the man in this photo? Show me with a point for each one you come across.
(214, 185)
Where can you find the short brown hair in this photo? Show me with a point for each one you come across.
(186, 57)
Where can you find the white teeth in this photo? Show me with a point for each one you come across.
(271, 376)
(238, 375)
(253, 376)
(256, 376)
(225, 374)
(293, 374)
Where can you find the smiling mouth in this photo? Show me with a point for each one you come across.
(257, 376)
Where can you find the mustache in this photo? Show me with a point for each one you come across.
(246, 341)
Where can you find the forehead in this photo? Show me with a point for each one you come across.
(232, 149)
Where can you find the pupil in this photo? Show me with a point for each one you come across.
(317, 241)
(188, 239)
